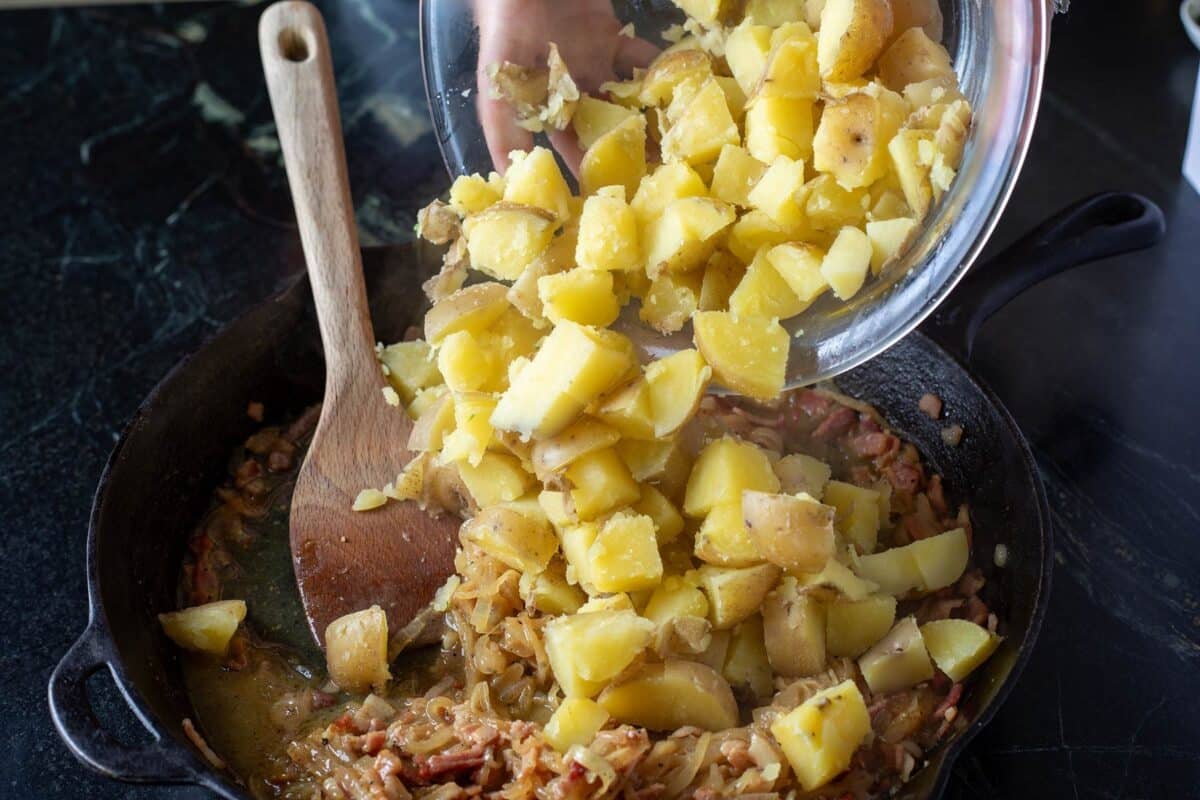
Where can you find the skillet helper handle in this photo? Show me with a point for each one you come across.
(1097, 227)
(299, 72)
(71, 710)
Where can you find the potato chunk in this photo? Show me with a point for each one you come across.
(583, 296)
(775, 192)
(914, 58)
(958, 646)
(522, 541)
(470, 194)
(206, 628)
(676, 383)
(618, 158)
(587, 650)
(534, 179)
(799, 473)
(671, 300)
(684, 236)
(857, 513)
(852, 137)
(724, 540)
(746, 664)
(793, 532)
(467, 365)
(549, 591)
(594, 118)
(608, 234)
(668, 696)
(575, 365)
(746, 50)
(838, 579)
(601, 482)
(735, 593)
(846, 264)
(764, 293)
(852, 35)
(723, 470)
(942, 559)
(820, 736)
(505, 238)
(735, 174)
(912, 168)
(356, 650)
(473, 309)
(624, 557)
(747, 354)
(853, 626)
(779, 126)
(411, 367)
(889, 239)
(628, 410)
(668, 523)
(580, 438)
(794, 630)
(898, 660)
(791, 69)
(668, 183)
(673, 598)
(575, 722)
(704, 127)
(497, 478)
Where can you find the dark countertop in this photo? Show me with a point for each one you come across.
(144, 206)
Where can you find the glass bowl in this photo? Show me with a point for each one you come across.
(999, 51)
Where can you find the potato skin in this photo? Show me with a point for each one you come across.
(852, 35)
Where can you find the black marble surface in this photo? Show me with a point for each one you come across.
(144, 205)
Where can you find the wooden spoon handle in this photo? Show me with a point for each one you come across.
(296, 60)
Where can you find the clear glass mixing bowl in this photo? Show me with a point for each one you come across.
(999, 49)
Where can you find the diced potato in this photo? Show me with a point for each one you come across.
(618, 158)
(889, 239)
(942, 559)
(735, 98)
(624, 557)
(586, 650)
(472, 433)
(799, 265)
(497, 478)
(775, 193)
(665, 463)
(852, 627)
(852, 35)
(747, 354)
(593, 118)
(671, 299)
(752, 232)
(472, 309)
(684, 236)
(746, 663)
(794, 630)
(894, 570)
(912, 169)
(206, 628)
(470, 194)
(521, 541)
(722, 275)
(426, 400)
(670, 70)
(431, 427)
(958, 646)
(580, 438)
(549, 591)
(673, 598)
(914, 58)
(836, 578)
(794, 532)
(575, 365)
(802, 473)
(668, 523)
(735, 593)
(628, 410)
(735, 174)
(707, 12)
(857, 513)
(774, 12)
(576, 540)
(534, 179)
(608, 602)
(668, 183)
(601, 483)
(821, 736)
(555, 505)
(889, 203)
(411, 367)
(791, 69)
(608, 234)
(356, 650)
(505, 238)
(898, 660)
(668, 696)
(764, 293)
(575, 722)
(724, 540)
(584, 296)
(467, 365)
(723, 470)
(831, 207)
(779, 126)
(704, 127)
(558, 257)
(846, 264)
(746, 51)
(852, 137)
(512, 336)
(676, 384)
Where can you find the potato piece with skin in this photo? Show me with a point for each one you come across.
(853, 626)
(549, 592)
(724, 469)
(534, 179)
(799, 472)
(672, 68)
(683, 238)
(703, 128)
(851, 37)
(764, 293)
(735, 174)
(911, 169)
(735, 593)
(791, 69)
(894, 570)
(857, 513)
(624, 557)
(924, 14)
(724, 540)
(595, 117)
(958, 646)
(746, 50)
(775, 193)
(665, 463)
(618, 158)
(898, 660)
(914, 58)
(747, 354)
(671, 300)
(746, 663)
(505, 238)
(575, 365)
(676, 383)
(889, 239)
(497, 478)
(430, 429)
(779, 126)
(846, 264)
(473, 309)
(206, 628)
(608, 233)
(520, 541)
(794, 631)
(668, 696)
(668, 522)
(673, 598)
(794, 532)
(584, 296)
(821, 736)
(580, 438)
(356, 650)
(558, 257)
(574, 723)
(836, 579)
(722, 275)
(586, 650)
(852, 137)
(601, 483)
(942, 559)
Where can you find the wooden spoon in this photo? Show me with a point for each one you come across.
(396, 556)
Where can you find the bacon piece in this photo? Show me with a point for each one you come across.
(838, 422)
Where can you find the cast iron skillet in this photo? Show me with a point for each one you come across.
(160, 476)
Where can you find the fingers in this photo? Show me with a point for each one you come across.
(500, 128)
(567, 145)
(633, 53)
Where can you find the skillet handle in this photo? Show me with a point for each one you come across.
(1097, 227)
(158, 762)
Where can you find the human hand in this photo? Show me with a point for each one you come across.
(587, 33)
